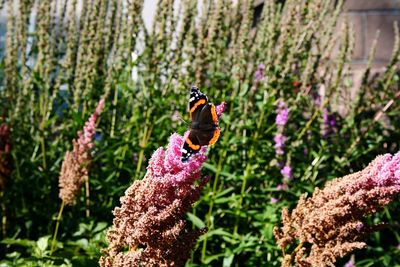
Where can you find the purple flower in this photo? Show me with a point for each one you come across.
(258, 77)
(274, 200)
(330, 123)
(350, 263)
(259, 74)
(316, 97)
(282, 187)
(287, 172)
(279, 143)
(282, 114)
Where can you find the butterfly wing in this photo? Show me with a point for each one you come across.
(207, 137)
(197, 102)
(208, 115)
(191, 146)
(208, 131)
(204, 129)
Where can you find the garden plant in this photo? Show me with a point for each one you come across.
(94, 115)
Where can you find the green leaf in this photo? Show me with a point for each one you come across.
(43, 242)
(196, 220)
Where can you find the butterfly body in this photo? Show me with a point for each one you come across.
(204, 130)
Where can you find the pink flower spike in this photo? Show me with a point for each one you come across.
(100, 106)
(173, 163)
(157, 205)
(220, 109)
(339, 209)
(75, 167)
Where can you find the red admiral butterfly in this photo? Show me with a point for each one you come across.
(204, 129)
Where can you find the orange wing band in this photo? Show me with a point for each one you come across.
(214, 115)
(215, 137)
(198, 103)
(191, 145)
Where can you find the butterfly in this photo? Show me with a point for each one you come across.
(204, 130)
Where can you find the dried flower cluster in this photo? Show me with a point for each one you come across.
(74, 168)
(330, 223)
(149, 229)
(5, 168)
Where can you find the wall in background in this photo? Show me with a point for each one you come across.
(367, 17)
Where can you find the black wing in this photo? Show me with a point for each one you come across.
(197, 102)
(208, 115)
(207, 137)
(190, 147)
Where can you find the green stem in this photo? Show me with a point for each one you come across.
(43, 146)
(143, 143)
(121, 163)
(314, 116)
(53, 243)
(139, 165)
(114, 118)
(87, 196)
(247, 172)
(4, 218)
(217, 174)
(212, 200)
(242, 189)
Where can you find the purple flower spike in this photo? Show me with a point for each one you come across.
(287, 172)
(279, 143)
(282, 114)
(330, 123)
(259, 74)
(282, 187)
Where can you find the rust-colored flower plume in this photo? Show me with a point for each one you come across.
(5, 168)
(149, 227)
(74, 168)
(331, 223)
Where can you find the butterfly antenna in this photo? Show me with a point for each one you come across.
(181, 119)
